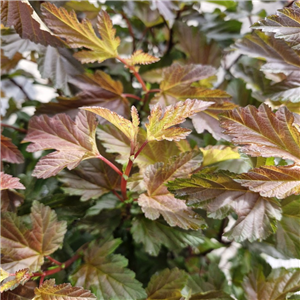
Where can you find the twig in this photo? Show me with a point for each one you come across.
(53, 260)
(20, 87)
(131, 96)
(15, 128)
(130, 30)
(117, 195)
(135, 73)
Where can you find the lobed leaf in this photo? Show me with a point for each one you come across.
(167, 284)
(20, 277)
(27, 23)
(154, 234)
(161, 122)
(130, 129)
(48, 290)
(107, 274)
(272, 181)
(25, 248)
(278, 285)
(74, 141)
(141, 58)
(9, 182)
(260, 132)
(219, 194)
(285, 24)
(211, 295)
(79, 35)
(158, 201)
(9, 152)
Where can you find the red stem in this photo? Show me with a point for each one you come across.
(132, 96)
(110, 164)
(154, 91)
(117, 195)
(15, 128)
(53, 260)
(128, 169)
(135, 73)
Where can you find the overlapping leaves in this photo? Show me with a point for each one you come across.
(24, 247)
(219, 194)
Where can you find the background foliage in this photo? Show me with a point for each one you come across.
(150, 149)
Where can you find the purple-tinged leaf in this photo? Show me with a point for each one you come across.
(9, 152)
(9, 182)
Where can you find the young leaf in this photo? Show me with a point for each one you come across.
(9, 152)
(154, 234)
(79, 35)
(278, 285)
(261, 132)
(9, 182)
(130, 129)
(287, 234)
(285, 24)
(272, 181)
(27, 23)
(74, 141)
(65, 291)
(220, 194)
(25, 248)
(161, 121)
(3, 274)
(141, 58)
(167, 284)
(90, 180)
(158, 201)
(20, 277)
(106, 273)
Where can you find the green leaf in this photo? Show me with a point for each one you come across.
(9, 182)
(285, 24)
(272, 181)
(287, 234)
(216, 154)
(166, 285)
(154, 234)
(27, 23)
(74, 141)
(24, 247)
(20, 277)
(48, 290)
(158, 201)
(219, 194)
(106, 274)
(79, 35)
(161, 122)
(260, 131)
(277, 286)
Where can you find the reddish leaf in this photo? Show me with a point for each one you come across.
(158, 201)
(25, 248)
(27, 23)
(9, 152)
(74, 141)
(48, 290)
(260, 132)
(10, 200)
(9, 182)
(273, 181)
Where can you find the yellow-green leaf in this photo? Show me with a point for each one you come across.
(141, 58)
(79, 35)
(20, 277)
